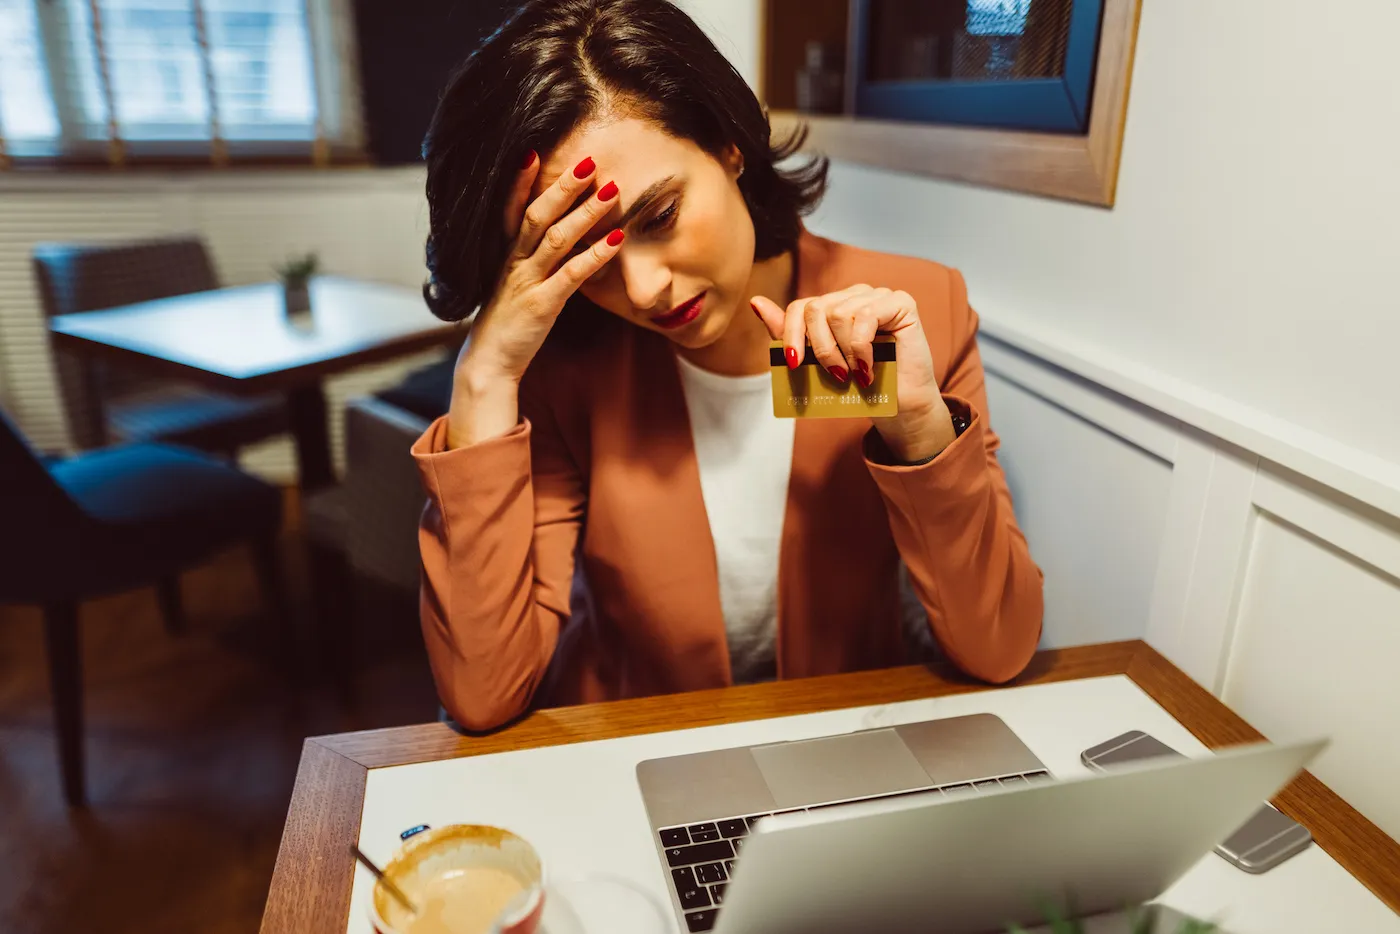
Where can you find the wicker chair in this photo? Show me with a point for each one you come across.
(363, 532)
(75, 278)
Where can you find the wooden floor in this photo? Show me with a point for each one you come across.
(192, 747)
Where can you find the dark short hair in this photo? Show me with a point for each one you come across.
(546, 71)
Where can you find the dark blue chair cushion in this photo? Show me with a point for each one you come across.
(156, 508)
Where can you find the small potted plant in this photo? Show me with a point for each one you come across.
(296, 275)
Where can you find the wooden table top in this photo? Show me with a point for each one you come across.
(311, 885)
(239, 339)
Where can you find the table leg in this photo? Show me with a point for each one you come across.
(306, 408)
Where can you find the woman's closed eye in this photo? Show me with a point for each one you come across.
(659, 223)
(663, 220)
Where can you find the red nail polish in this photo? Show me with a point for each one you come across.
(758, 314)
(793, 360)
(864, 377)
(529, 160)
(607, 192)
(584, 168)
(615, 237)
(841, 373)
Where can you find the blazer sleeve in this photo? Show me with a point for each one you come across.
(954, 526)
(497, 540)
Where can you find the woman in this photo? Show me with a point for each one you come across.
(613, 508)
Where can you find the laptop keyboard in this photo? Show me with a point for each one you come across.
(701, 856)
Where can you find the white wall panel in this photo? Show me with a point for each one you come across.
(1315, 654)
(1093, 507)
(1270, 588)
(1209, 518)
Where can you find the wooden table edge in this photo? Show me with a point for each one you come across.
(258, 383)
(314, 872)
(312, 880)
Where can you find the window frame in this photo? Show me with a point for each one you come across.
(1080, 167)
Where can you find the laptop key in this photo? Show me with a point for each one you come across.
(711, 873)
(738, 843)
(701, 853)
(703, 833)
(717, 892)
(698, 921)
(684, 878)
(733, 828)
(756, 818)
(988, 784)
(676, 836)
(729, 866)
(698, 897)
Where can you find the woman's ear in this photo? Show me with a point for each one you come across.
(733, 161)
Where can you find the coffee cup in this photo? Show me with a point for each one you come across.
(464, 879)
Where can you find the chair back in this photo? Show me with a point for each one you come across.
(38, 515)
(73, 278)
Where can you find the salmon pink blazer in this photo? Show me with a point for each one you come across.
(571, 560)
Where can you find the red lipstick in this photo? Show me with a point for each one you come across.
(681, 315)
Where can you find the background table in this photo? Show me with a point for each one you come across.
(239, 340)
(368, 787)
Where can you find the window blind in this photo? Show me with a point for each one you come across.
(216, 79)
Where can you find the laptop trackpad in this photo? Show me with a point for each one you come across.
(836, 768)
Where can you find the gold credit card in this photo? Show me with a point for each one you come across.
(809, 391)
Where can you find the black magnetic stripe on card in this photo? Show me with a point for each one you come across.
(777, 356)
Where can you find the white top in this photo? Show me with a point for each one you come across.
(745, 457)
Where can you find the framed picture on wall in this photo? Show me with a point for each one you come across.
(1019, 64)
(1027, 95)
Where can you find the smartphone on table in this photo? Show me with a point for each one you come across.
(1265, 840)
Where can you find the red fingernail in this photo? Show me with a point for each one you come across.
(756, 312)
(864, 377)
(607, 192)
(841, 373)
(793, 360)
(616, 237)
(529, 160)
(584, 168)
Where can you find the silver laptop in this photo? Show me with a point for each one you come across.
(880, 858)
(701, 806)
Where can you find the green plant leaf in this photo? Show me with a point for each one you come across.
(298, 268)
(1142, 920)
(1059, 924)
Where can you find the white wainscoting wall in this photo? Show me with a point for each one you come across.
(1269, 587)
